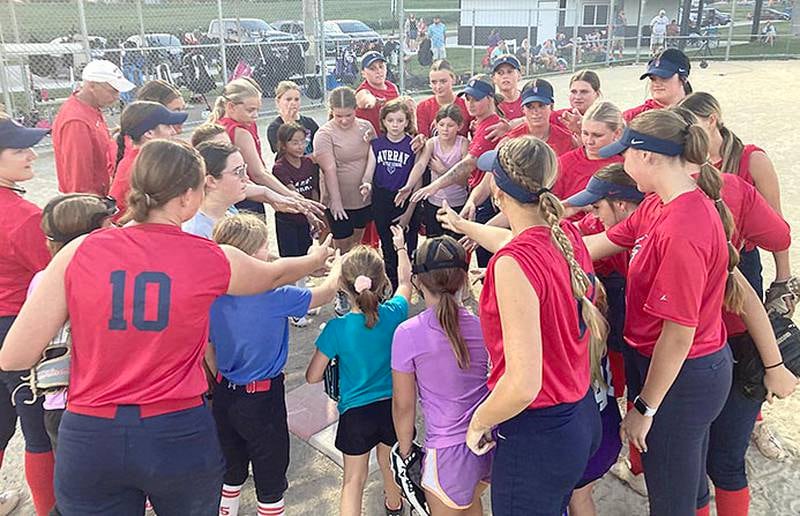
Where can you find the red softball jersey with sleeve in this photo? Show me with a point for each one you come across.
(559, 140)
(426, 116)
(139, 300)
(479, 144)
(677, 271)
(23, 249)
(373, 114)
(630, 114)
(575, 169)
(591, 224)
(121, 184)
(511, 109)
(744, 172)
(565, 338)
(231, 125)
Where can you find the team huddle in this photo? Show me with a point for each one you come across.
(146, 326)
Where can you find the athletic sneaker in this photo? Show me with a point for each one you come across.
(622, 470)
(299, 322)
(8, 502)
(768, 442)
(342, 304)
(313, 311)
(408, 475)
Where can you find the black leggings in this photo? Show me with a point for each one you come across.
(31, 416)
(384, 212)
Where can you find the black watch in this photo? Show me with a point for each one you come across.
(642, 407)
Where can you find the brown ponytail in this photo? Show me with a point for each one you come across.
(365, 261)
(679, 125)
(703, 105)
(532, 163)
(446, 283)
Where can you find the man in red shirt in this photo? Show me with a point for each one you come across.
(84, 151)
(375, 91)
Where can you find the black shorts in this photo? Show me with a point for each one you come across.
(253, 430)
(363, 428)
(356, 219)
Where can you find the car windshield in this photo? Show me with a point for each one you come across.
(254, 25)
(354, 26)
(163, 40)
(332, 27)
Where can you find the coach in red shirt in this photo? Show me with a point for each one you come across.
(85, 153)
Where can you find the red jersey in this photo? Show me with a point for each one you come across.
(631, 113)
(23, 249)
(84, 151)
(565, 339)
(121, 184)
(744, 173)
(231, 125)
(575, 169)
(139, 300)
(590, 224)
(511, 109)
(560, 140)
(677, 271)
(373, 115)
(480, 144)
(426, 116)
(555, 118)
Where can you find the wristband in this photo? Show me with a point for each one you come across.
(398, 249)
(773, 366)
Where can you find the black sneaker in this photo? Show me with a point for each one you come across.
(341, 304)
(408, 476)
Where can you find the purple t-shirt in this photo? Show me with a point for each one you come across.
(393, 162)
(448, 394)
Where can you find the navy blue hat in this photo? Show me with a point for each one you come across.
(371, 57)
(509, 59)
(538, 90)
(598, 189)
(489, 162)
(478, 89)
(667, 64)
(636, 140)
(15, 136)
(158, 116)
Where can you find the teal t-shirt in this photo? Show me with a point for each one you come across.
(364, 354)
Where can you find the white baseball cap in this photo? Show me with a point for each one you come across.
(101, 70)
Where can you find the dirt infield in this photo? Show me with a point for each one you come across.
(755, 99)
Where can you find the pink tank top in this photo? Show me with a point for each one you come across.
(456, 195)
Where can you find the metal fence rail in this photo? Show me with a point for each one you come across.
(44, 44)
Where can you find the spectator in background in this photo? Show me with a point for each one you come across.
(618, 35)
(438, 34)
(494, 38)
(84, 151)
(658, 31)
(547, 55)
(769, 33)
(411, 31)
(524, 55)
(673, 31)
(422, 27)
(500, 49)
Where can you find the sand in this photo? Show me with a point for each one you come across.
(755, 98)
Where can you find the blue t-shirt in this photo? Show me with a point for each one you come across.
(202, 225)
(364, 354)
(393, 162)
(436, 31)
(250, 334)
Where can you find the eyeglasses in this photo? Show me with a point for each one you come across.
(240, 171)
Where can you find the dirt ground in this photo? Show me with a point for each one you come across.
(756, 100)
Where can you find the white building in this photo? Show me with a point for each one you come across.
(543, 19)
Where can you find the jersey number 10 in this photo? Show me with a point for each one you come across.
(118, 280)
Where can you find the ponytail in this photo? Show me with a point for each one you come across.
(551, 210)
(236, 91)
(447, 313)
(731, 150)
(120, 148)
(218, 111)
(710, 181)
(367, 301)
(364, 264)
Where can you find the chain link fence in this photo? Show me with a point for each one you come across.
(199, 45)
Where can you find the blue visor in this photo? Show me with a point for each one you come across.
(489, 163)
(155, 118)
(15, 136)
(598, 189)
(665, 69)
(634, 140)
(371, 57)
(478, 89)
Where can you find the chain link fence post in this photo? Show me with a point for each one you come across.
(401, 65)
(730, 30)
(14, 24)
(84, 30)
(639, 31)
(4, 82)
(222, 53)
(528, 51)
(472, 46)
(575, 37)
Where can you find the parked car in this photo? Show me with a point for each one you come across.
(163, 48)
(711, 17)
(63, 53)
(357, 30)
(276, 54)
(333, 35)
(771, 14)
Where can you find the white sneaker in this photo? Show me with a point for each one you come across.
(342, 304)
(299, 322)
(622, 470)
(768, 442)
(8, 502)
(314, 311)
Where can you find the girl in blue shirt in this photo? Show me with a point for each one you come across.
(362, 343)
(388, 167)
